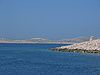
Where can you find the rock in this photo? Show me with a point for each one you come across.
(92, 45)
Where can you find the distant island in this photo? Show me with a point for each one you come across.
(45, 41)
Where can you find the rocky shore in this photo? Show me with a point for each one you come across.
(92, 46)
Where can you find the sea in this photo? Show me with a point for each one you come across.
(39, 59)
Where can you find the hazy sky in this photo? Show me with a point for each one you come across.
(54, 19)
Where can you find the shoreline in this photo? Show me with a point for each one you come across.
(31, 43)
(77, 51)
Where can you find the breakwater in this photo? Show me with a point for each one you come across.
(92, 46)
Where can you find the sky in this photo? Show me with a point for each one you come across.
(53, 19)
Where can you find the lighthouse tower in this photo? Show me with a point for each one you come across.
(91, 38)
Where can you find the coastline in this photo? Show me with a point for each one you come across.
(32, 42)
(78, 51)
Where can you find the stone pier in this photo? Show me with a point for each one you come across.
(92, 46)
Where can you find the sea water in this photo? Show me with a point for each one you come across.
(38, 59)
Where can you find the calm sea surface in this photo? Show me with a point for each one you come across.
(37, 59)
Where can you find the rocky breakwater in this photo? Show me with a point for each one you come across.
(92, 46)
